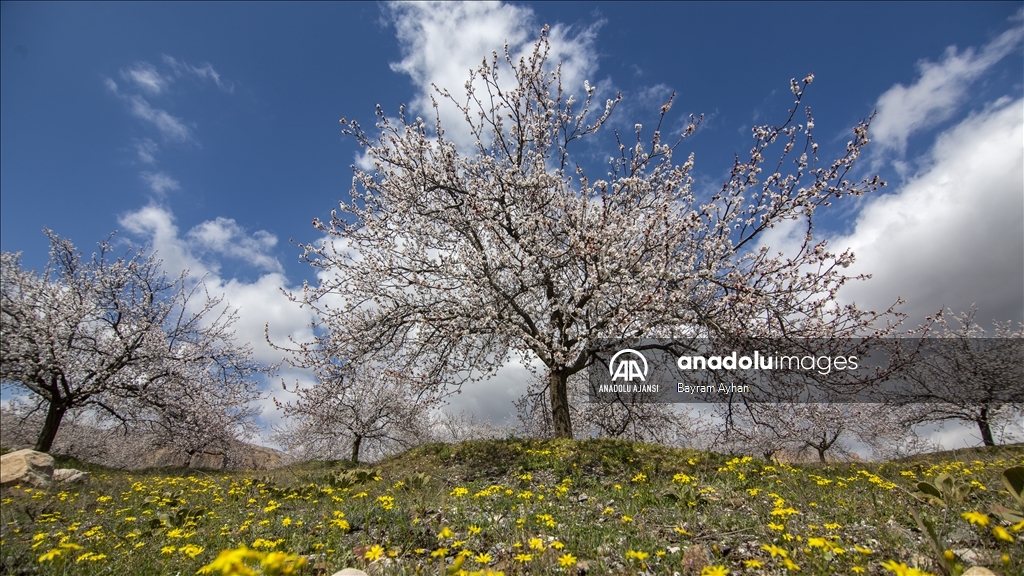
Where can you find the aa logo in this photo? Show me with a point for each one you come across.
(628, 367)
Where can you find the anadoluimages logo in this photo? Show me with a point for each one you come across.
(628, 367)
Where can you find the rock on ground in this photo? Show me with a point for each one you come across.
(70, 476)
(26, 467)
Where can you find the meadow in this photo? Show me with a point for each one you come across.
(530, 507)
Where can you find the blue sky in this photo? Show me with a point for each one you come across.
(210, 131)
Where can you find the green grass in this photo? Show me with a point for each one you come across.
(522, 507)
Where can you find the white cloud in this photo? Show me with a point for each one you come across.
(160, 182)
(146, 77)
(937, 93)
(492, 400)
(653, 97)
(223, 236)
(151, 82)
(363, 161)
(258, 303)
(204, 72)
(156, 224)
(786, 238)
(261, 303)
(953, 234)
(146, 149)
(171, 128)
(441, 42)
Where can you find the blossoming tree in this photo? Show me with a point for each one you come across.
(352, 412)
(117, 336)
(970, 375)
(446, 263)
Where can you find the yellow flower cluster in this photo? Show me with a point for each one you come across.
(246, 562)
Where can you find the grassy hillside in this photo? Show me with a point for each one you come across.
(526, 507)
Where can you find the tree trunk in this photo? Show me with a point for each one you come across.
(54, 414)
(559, 391)
(821, 453)
(355, 449)
(986, 428)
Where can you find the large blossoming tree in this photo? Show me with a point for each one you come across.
(447, 262)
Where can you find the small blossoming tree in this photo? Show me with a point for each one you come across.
(120, 338)
(446, 263)
(353, 412)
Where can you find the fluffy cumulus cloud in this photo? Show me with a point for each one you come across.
(441, 42)
(937, 93)
(224, 237)
(156, 225)
(259, 303)
(953, 234)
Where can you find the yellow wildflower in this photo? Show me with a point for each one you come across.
(976, 518)
(51, 555)
(638, 555)
(816, 542)
(774, 550)
(191, 550)
(376, 552)
(1001, 533)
